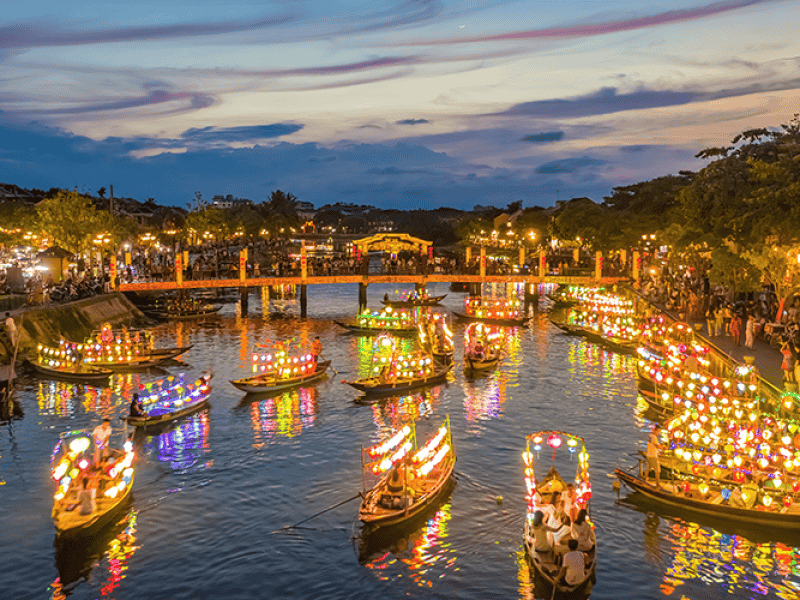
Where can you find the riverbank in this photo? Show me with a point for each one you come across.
(74, 321)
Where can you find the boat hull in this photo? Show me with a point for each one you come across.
(373, 387)
(432, 301)
(147, 421)
(520, 322)
(767, 518)
(88, 375)
(476, 367)
(72, 528)
(153, 359)
(256, 385)
(181, 316)
(376, 330)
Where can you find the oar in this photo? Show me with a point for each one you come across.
(317, 514)
(335, 372)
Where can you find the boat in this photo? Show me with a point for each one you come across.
(396, 372)
(182, 314)
(539, 496)
(376, 322)
(436, 336)
(490, 351)
(492, 312)
(71, 462)
(65, 363)
(414, 299)
(567, 296)
(710, 501)
(125, 349)
(272, 382)
(410, 479)
(168, 399)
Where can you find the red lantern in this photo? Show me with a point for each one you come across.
(686, 487)
(554, 442)
(796, 486)
(787, 501)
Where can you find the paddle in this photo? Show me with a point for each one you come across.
(335, 372)
(316, 514)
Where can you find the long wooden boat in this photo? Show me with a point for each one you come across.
(713, 505)
(428, 301)
(540, 494)
(443, 357)
(375, 386)
(355, 328)
(412, 484)
(510, 322)
(154, 358)
(112, 494)
(569, 328)
(74, 374)
(263, 384)
(191, 399)
(182, 315)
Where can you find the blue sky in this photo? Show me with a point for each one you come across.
(406, 103)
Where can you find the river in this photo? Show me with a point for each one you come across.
(212, 490)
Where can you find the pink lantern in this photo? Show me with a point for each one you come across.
(554, 442)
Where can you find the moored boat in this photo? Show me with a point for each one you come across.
(65, 363)
(410, 479)
(389, 319)
(413, 299)
(273, 382)
(550, 501)
(79, 511)
(376, 386)
(503, 312)
(277, 366)
(166, 400)
(182, 314)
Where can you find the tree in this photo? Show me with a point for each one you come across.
(777, 264)
(102, 192)
(733, 271)
(70, 220)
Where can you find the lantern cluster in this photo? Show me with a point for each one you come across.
(168, 395)
(482, 308)
(388, 318)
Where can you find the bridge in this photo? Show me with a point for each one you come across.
(245, 283)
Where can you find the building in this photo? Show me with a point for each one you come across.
(228, 202)
(305, 210)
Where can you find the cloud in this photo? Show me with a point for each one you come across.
(637, 148)
(190, 100)
(568, 165)
(38, 35)
(544, 138)
(602, 28)
(411, 121)
(251, 133)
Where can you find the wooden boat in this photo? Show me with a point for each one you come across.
(182, 315)
(154, 358)
(270, 382)
(711, 504)
(569, 328)
(376, 386)
(414, 479)
(509, 322)
(113, 491)
(174, 402)
(366, 330)
(539, 496)
(443, 358)
(426, 301)
(77, 373)
(474, 366)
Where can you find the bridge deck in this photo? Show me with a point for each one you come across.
(151, 286)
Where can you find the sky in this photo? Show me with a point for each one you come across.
(392, 103)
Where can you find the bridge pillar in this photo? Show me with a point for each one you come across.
(521, 257)
(635, 266)
(483, 262)
(598, 265)
(362, 295)
(303, 300)
(542, 263)
(244, 294)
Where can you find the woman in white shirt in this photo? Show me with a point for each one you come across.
(582, 532)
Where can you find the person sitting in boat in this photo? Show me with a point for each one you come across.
(86, 498)
(101, 435)
(542, 533)
(582, 532)
(570, 499)
(316, 348)
(386, 297)
(573, 565)
(386, 375)
(137, 410)
(477, 351)
(653, 449)
(745, 495)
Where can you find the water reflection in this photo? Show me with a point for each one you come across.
(730, 563)
(181, 445)
(419, 551)
(285, 415)
(105, 555)
(391, 412)
(10, 409)
(483, 400)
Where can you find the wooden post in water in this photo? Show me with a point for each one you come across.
(362, 295)
(303, 276)
(242, 276)
(530, 296)
(303, 300)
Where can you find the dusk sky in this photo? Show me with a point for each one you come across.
(406, 103)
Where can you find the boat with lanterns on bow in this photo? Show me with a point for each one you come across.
(65, 363)
(409, 479)
(484, 348)
(126, 349)
(79, 512)
(413, 298)
(398, 321)
(492, 312)
(396, 372)
(436, 336)
(276, 370)
(567, 296)
(606, 319)
(169, 399)
(551, 497)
